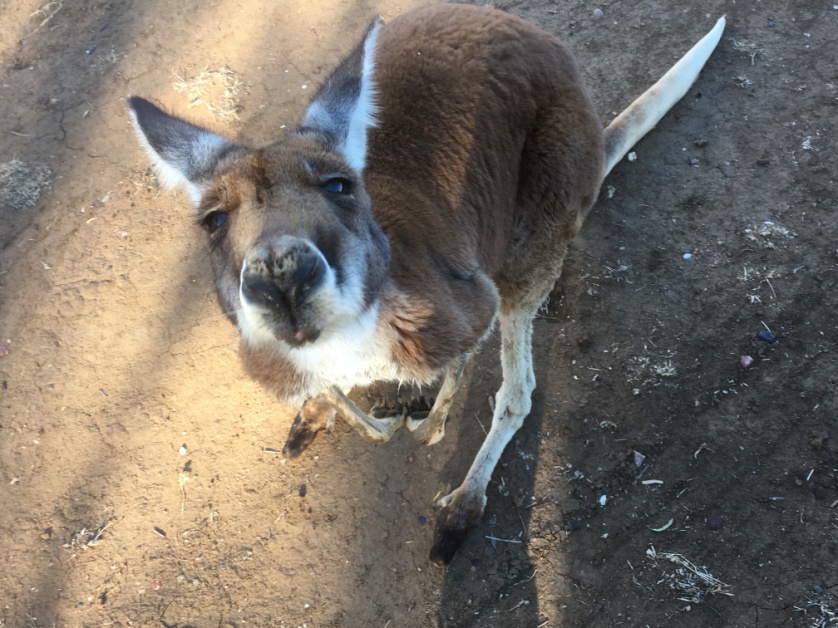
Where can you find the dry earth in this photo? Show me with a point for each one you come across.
(115, 354)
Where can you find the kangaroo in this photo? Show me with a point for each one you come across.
(428, 194)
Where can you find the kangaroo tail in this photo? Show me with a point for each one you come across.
(645, 112)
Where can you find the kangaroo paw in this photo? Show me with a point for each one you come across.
(460, 513)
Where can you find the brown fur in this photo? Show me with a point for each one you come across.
(512, 153)
(485, 158)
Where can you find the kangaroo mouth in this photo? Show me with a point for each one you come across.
(300, 338)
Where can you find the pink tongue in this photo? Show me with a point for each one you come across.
(299, 336)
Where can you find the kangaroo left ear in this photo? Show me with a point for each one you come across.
(344, 107)
(182, 153)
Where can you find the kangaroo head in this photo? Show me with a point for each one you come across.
(297, 253)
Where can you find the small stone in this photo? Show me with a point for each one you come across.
(303, 490)
(421, 520)
(818, 589)
(700, 143)
(688, 255)
(632, 156)
(745, 361)
(713, 522)
(598, 13)
(182, 450)
(638, 458)
(156, 585)
(767, 336)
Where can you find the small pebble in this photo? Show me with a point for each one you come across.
(694, 161)
(182, 450)
(818, 589)
(475, 562)
(700, 143)
(303, 490)
(638, 458)
(421, 519)
(713, 522)
(157, 585)
(603, 499)
(688, 255)
(767, 336)
(745, 361)
(90, 50)
(598, 13)
(632, 156)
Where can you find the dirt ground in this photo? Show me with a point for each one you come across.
(138, 480)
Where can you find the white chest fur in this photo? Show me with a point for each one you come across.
(356, 354)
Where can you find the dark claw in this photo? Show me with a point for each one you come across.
(452, 528)
(315, 415)
(384, 410)
(299, 437)
(419, 407)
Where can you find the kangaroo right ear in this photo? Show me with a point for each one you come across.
(344, 107)
(183, 153)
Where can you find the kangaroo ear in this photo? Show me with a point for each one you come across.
(344, 107)
(183, 153)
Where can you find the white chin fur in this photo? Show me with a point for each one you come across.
(346, 349)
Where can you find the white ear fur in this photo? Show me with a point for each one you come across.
(354, 148)
(190, 150)
(167, 174)
(344, 107)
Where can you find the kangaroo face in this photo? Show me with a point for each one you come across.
(299, 259)
(296, 251)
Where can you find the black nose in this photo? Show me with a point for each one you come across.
(307, 276)
(282, 281)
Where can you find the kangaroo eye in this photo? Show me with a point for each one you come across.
(215, 220)
(337, 185)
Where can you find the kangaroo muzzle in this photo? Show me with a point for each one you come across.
(280, 279)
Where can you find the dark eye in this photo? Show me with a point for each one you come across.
(337, 185)
(215, 220)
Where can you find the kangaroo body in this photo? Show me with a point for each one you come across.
(430, 191)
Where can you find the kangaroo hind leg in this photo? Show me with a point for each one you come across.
(463, 508)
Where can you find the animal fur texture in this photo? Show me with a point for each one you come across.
(428, 195)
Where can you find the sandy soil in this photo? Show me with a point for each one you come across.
(115, 358)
